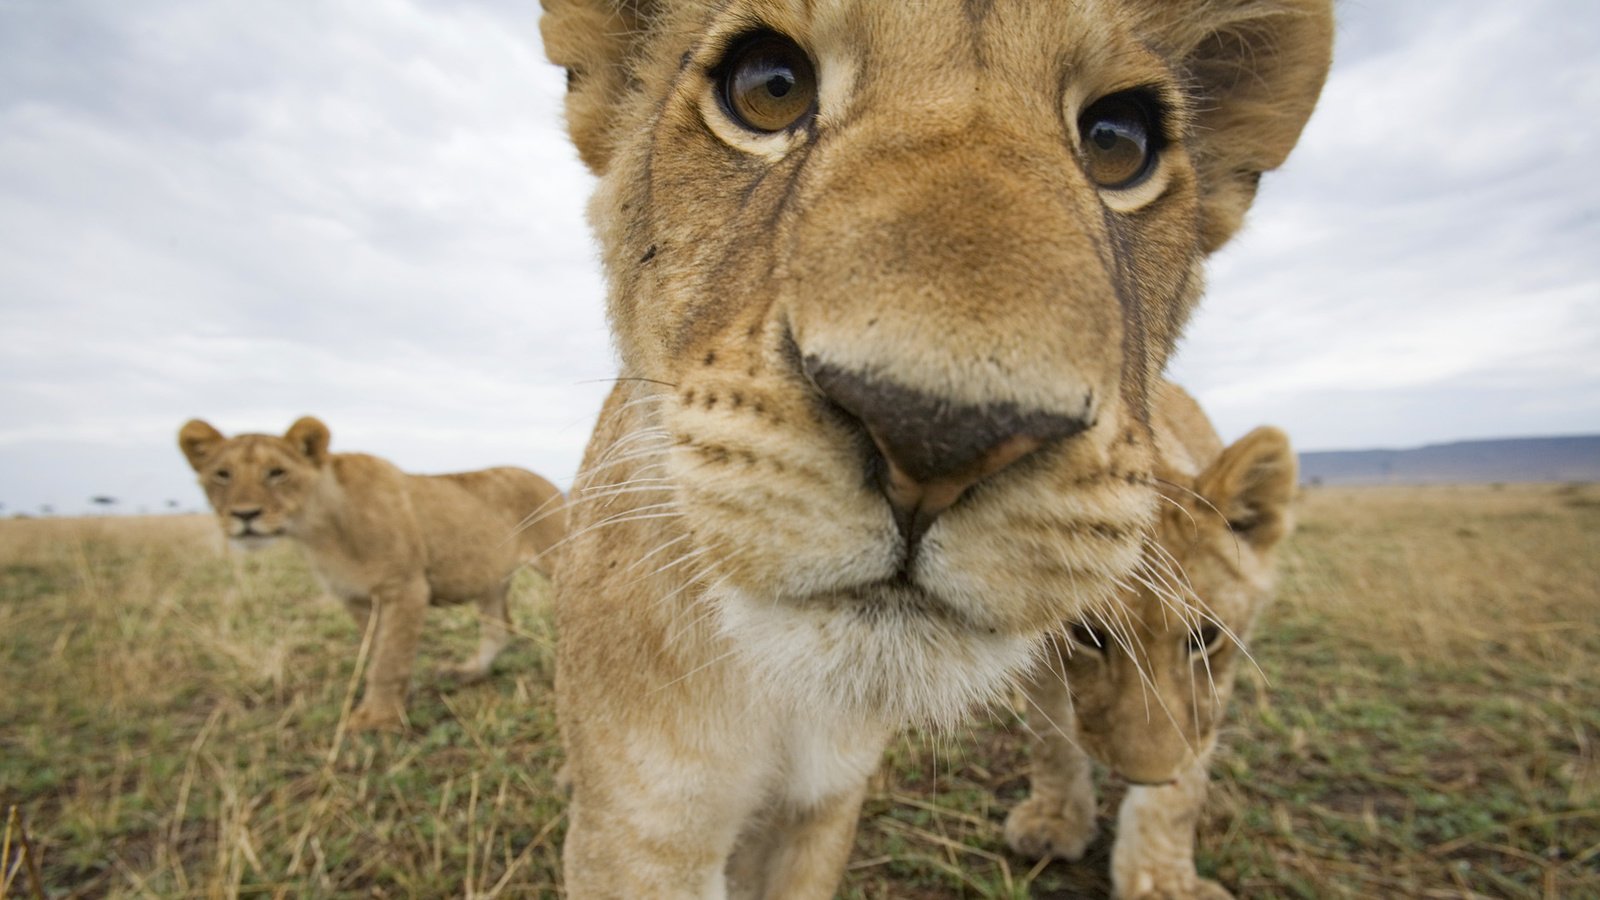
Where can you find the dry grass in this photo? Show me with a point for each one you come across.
(1425, 724)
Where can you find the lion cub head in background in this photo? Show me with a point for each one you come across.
(1143, 688)
(257, 484)
(1150, 684)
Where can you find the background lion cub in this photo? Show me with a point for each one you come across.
(1143, 689)
(385, 542)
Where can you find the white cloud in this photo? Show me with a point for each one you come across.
(1432, 237)
(368, 210)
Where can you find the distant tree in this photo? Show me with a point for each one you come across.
(172, 504)
(46, 509)
(103, 501)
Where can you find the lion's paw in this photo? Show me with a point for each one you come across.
(465, 673)
(1171, 885)
(378, 717)
(1037, 829)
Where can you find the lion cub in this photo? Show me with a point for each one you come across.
(383, 541)
(1144, 689)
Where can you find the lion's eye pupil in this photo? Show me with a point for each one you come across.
(768, 84)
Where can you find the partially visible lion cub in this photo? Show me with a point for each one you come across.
(383, 541)
(1143, 688)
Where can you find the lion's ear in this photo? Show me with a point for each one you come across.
(310, 437)
(1252, 485)
(1257, 67)
(597, 42)
(197, 439)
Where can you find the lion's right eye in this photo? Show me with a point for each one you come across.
(221, 476)
(1119, 140)
(768, 83)
(1089, 636)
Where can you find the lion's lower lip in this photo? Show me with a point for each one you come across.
(896, 595)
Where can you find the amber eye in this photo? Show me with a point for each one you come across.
(275, 475)
(221, 476)
(1119, 140)
(1089, 636)
(1208, 639)
(768, 83)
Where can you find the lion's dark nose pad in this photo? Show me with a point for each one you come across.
(245, 515)
(934, 449)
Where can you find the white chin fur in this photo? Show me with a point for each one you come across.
(884, 659)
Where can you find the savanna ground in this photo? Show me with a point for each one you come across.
(1425, 723)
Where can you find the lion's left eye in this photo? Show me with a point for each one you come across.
(1208, 639)
(1086, 635)
(768, 83)
(1119, 140)
(275, 475)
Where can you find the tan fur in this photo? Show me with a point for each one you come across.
(1146, 704)
(383, 541)
(742, 623)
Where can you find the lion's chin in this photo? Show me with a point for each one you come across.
(889, 654)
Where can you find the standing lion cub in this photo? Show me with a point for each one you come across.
(890, 283)
(385, 542)
(1143, 687)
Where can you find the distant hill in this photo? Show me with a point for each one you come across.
(1511, 459)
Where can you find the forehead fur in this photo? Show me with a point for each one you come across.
(254, 450)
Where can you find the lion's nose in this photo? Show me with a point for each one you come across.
(933, 449)
(245, 515)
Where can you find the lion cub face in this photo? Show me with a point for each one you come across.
(894, 278)
(257, 484)
(1150, 683)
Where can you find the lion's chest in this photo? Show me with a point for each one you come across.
(827, 760)
(341, 576)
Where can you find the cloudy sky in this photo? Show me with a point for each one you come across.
(368, 210)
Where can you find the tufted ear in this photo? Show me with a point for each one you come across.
(1252, 484)
(1256, 67)
(310, 437)
(597, 42)
(197, 439)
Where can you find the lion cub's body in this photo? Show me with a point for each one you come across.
(1143, 689)
(890, 283)
(381, 540)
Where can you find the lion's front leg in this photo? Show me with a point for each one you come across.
(1058, 818)
(797, 854)
(629, 836)
(1154, 854)
(494, 633)
(399, 609)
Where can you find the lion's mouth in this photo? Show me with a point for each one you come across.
(887, 601)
